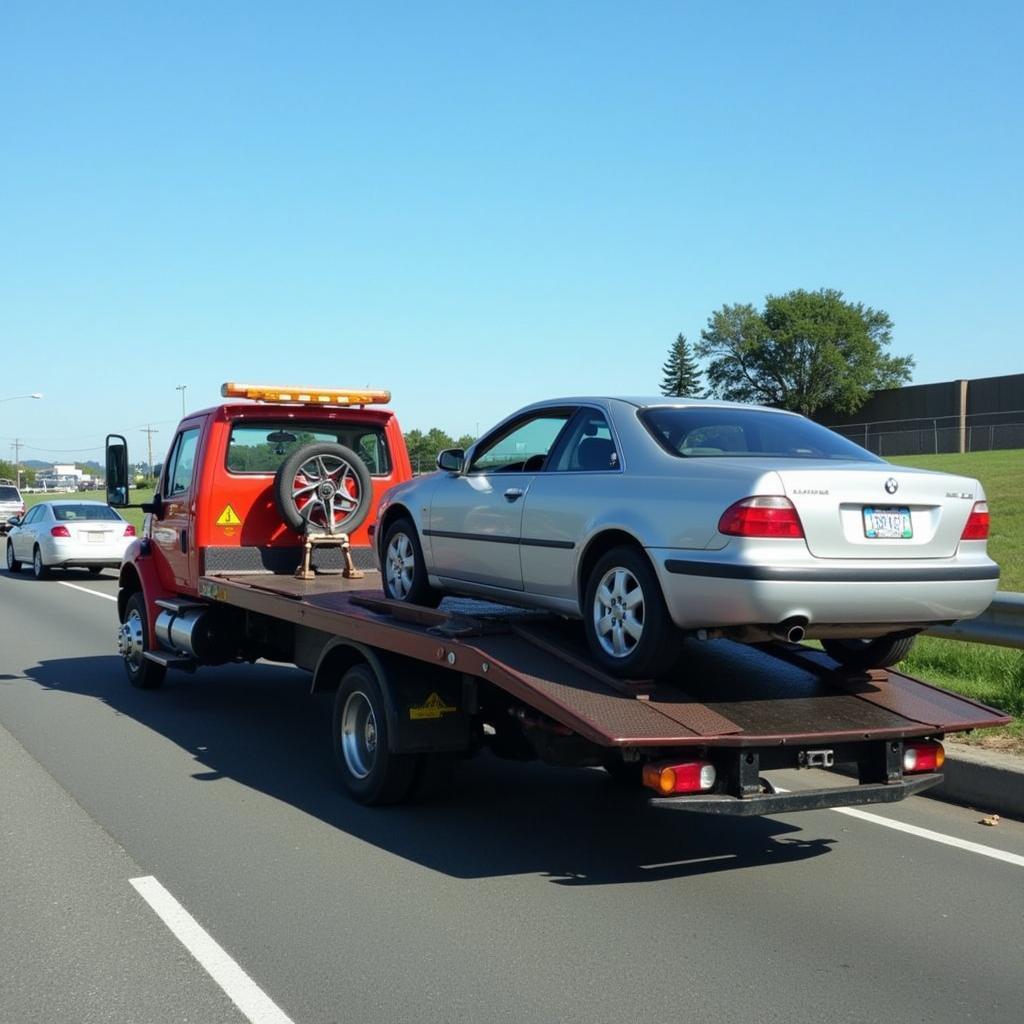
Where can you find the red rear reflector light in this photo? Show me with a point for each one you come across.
(764, 516)
(690, 777)
(59, 531)
(923, 756)
(977, 523)
(129, 530)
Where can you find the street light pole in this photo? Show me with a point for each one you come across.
(182, 388)
(18, 444)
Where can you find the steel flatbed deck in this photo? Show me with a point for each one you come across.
(723, 694)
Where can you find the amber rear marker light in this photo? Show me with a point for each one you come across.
(304, 396)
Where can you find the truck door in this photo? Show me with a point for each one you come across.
(174, 532)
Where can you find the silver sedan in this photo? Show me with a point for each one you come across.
(653, 518)
(66, 534)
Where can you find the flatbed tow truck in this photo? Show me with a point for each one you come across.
(418, 688)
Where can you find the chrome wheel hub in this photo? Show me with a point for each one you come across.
(130, 643)
(359, 735)
(399, 566)
(618, 612)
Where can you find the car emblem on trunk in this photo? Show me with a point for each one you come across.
(891, 486)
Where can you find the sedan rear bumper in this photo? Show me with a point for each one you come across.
(710, 593)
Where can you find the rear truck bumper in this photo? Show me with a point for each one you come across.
(804, 800)
(709, 592)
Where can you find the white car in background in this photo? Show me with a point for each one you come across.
(67, 534)
(11, 503)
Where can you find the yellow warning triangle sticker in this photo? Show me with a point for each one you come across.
(229, 517)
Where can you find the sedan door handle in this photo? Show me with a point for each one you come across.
(513, 493)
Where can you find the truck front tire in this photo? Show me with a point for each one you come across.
(370, 772)
(133, 642)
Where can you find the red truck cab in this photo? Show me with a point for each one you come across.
(216, 509)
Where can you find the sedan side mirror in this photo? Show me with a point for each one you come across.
(451, 460)
(14, 521)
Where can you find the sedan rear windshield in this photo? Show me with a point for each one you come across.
(9, 494)
(262, 447)
(71, 513)
(716, 432)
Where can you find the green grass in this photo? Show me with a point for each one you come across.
(1002, 476)
(133, 515)
(992, 675)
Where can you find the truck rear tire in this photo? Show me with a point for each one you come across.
(882, 652)
(370, 772)
(133, 642)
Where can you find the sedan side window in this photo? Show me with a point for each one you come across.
(588, 446)
(523, 447)
(34, 514)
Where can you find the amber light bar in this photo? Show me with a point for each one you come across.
(304, 396)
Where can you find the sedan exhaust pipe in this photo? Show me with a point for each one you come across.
(791, 630)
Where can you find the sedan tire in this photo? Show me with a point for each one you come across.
(13, 565)
(40, 569)
(628, 627)
(882, 652)
(403, 568)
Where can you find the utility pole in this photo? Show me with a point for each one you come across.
(17, 446)
(182, 388)
(149, 432)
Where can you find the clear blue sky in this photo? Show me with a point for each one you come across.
(481, 204)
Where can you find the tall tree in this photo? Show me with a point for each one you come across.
(681, 377)
(804, 351)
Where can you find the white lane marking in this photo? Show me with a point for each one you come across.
(927, 833)
(86, 590)
(257, 1006)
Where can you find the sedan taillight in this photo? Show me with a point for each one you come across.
(129, 530)
(977, 523)
(764, 516)
(59, 531)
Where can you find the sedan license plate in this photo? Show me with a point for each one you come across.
(887, 523)
(96, 537)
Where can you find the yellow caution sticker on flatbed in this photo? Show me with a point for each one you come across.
(432, 707)
(229, 517)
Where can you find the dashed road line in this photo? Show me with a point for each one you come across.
(257, 1006)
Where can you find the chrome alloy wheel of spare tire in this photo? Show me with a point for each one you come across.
(326, 492)
(618, 612)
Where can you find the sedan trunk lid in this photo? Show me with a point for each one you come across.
(880, 511)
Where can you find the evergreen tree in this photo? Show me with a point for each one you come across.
(681, 377)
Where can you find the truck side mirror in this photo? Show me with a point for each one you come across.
(451, 460)
(117, 471)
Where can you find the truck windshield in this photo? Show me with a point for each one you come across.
(262, 447)
(716, 431)
(9, 494)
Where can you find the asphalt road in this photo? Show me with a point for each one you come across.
(527, 894)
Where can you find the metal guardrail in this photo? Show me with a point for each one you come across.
(1001, 623)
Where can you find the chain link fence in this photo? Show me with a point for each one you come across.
(981, 433)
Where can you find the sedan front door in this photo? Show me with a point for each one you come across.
(475, 523)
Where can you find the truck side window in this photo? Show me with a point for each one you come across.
(179, 472)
